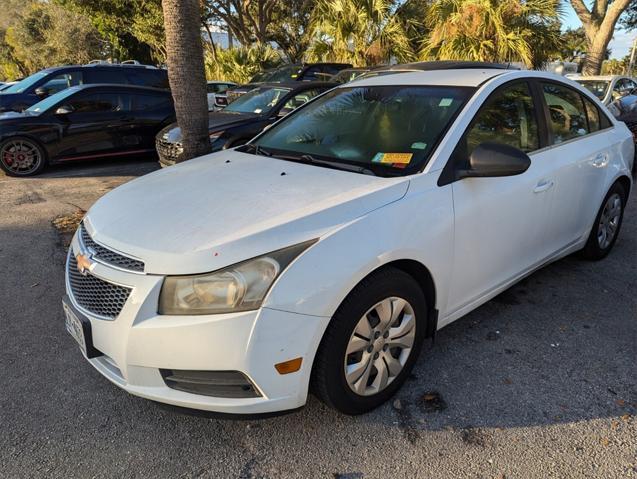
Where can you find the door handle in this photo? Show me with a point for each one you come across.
(543, 185)
(600, 161)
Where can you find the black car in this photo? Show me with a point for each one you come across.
(83, 122)
(244, 118)
(287, 73)
(44, 83)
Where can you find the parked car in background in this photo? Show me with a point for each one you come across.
(320, 255)
(214, 88)
(244, 118)
(287, 73)
(46, 82)
(83, 122)
(607, 88)
(350, 74)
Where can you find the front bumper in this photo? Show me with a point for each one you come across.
(138, 343)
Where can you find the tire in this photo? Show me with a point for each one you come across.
(20, 156)
(348, 328)
(607, 224)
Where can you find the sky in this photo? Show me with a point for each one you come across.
(621, 43)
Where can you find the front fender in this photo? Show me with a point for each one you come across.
(417, 227)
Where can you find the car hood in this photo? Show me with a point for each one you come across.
(217, 120)
(227, 207)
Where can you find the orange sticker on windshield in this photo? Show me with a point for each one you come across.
(398, 160)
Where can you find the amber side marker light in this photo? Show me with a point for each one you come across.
(291, 366)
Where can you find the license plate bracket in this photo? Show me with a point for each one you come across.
(79, 327)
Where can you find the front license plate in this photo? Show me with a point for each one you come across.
(74, 327)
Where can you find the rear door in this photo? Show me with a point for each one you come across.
(580, 149)
(150, 112)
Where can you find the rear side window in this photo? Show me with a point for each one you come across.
(508, 117)
(101, 103)
(301, 98)
(568, 118)
(155, 78)
(108, 75)
(592, 112)
(150, 102)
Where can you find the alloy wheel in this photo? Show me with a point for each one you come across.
(20, 157)
(380, 346)
(609, 221)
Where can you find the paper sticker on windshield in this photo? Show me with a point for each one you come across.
(446, 102)
(397, 160)
(418, 146)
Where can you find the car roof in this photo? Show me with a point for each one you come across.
(296, 85)
(601, 77)
(448, 65)
(466, 77)
(223, 82)
(120, 86)
(94, 66)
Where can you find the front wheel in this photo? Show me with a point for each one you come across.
(21, 157)
(607, 224)
(372, 343)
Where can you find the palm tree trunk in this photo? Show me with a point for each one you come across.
(184, 52)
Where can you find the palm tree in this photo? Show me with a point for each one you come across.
(362, 32)
(184, 56)
(492, 30)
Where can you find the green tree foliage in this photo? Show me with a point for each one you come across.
(131, 29)
(492, 30)
(242, 63)
(45, 34)
(361, 32)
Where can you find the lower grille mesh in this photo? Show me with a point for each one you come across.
(96, 295)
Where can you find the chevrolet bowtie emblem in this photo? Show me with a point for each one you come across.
(84, 263)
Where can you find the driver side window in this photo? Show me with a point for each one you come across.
(508, 118)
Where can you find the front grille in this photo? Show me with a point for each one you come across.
(168, 152)
(108, 256)
(95, 295)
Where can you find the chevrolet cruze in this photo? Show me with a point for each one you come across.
(319, 256)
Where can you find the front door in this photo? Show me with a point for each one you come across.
(500, 223)
(95, 125)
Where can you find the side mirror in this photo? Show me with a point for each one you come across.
(64, 110)
(495, 159)
(42, 92)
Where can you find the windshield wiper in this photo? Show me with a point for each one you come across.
(307, 158)
(256, 149)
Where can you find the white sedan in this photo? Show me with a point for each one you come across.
(321, 255)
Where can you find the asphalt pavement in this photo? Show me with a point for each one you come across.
(540, 382)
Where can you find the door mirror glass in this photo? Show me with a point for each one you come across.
(64, 110)
(495, 159)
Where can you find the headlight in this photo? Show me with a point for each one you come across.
(240, 287)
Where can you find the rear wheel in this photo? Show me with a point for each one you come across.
(371, 343)
(21, 157)
(607, 224)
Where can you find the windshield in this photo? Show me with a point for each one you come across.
(287, 73)
(596, 87)
(391, 130)
(23, 85)
(49, 101)
(259, 100)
